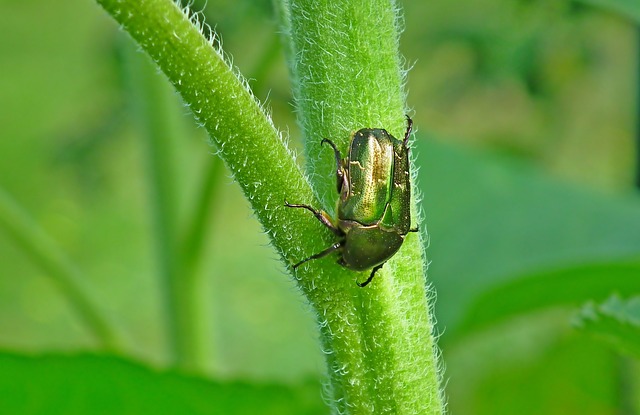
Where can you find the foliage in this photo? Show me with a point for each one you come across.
(110, 194)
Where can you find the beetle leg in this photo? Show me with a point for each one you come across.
(321, 254)
(408, 132)
(414, 229)
(321, 215)
(373, 274)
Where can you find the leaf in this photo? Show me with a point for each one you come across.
(616, 321)
(568, 286)
(533, 374)
(506, 240)
(627, 8)
(94, 384)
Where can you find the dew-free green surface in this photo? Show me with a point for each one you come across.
(93, 384)
(540, 81)
(629, 9)
(505, 239)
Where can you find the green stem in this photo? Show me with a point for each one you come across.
(378, 340)
(46, 255)
(193, 241)
(247, 141)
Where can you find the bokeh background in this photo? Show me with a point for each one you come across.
(527, 148)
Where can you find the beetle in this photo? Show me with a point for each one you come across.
(374, 208)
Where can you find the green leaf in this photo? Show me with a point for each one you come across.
(506, 240)
(615, 321)
(93, 384)
(532, 373)
(627, 8)
(569, 286)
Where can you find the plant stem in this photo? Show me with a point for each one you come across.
(194, 238)
(192, 246)
(247, 141)
(378, 340)
(46, 255)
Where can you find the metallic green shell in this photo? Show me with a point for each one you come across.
(398, 215)
(368, 246)
(374, 210)
(377, 189)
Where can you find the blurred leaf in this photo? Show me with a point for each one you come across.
(507, 240)
(92, 384)
(569, 286)
(563, 376)
(81, 148)
(627, 8)
(47, 255)
(616, 321)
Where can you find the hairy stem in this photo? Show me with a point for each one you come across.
(378, 340)
(246, 140)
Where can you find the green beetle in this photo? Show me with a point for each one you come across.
(374, 209)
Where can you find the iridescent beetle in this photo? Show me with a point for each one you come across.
(374, 209)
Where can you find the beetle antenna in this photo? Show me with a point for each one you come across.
(335, 149)
(339, 171)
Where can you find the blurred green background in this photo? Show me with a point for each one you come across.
(527, 120)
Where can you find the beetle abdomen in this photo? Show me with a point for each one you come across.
(368, 246)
